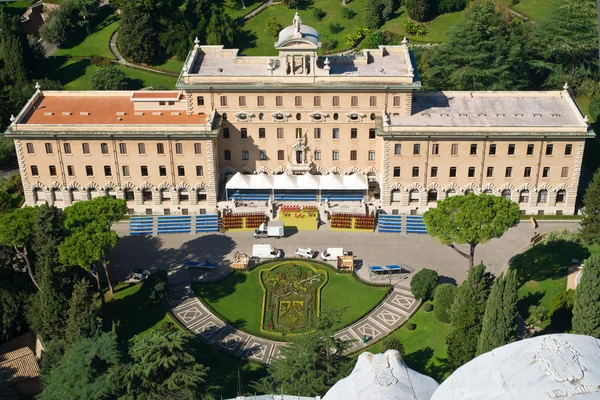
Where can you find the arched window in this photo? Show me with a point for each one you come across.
(488, 191)
(432, 196)
(524, 196)
(165, 196)
(506, 194)
(561, 196)
(184, 196)
(74, 195)
(201, 195)
(396, 196)
(146, 195)
(37, 195)
(451, 193)
(542, 196)
(413, 196)
(129, 196)
(469, 191)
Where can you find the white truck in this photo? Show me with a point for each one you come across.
(272, 229)
(332, 253)
(266, 251)
(304, 253)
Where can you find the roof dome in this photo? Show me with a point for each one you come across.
(298, 31)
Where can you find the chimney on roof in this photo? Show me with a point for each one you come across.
(66, 113)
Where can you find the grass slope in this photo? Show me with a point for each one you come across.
(537, 9)
(98, 43)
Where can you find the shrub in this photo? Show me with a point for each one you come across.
(319, 14)
(373, 17)
(563, 236)
(537, 314)
(373, 40)
(444, 297)
(334, 28)
(354, 38)
(109, 78)
(560, 311)
(417, 9)
(62, 24)
(423, 284)
(391, 343)
(100, 61)
(273, 27)
(411, 326)
(348, 13)
(428, 307)
(412, 28)
(329, 45)
(156, 287)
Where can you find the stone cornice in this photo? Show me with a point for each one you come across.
(121, 134)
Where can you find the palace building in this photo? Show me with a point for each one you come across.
(300, 127)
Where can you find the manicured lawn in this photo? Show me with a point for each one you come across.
(537, 9)
(236, 13)
(171, 65)
(16, 7)
(425, 347)
(98, 43)
(437, 28)
(239, 298)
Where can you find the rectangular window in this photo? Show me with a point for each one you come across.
(279, 101)
(162, 170)
(454, 149)
(511, 149)
(396, 101)
(223, 101)
(298, 133)
(354, 101)
(180, 170)
(317, 133)
(317, 101)
(225, 133)
(107, 170)
(178, 148)
(335, 155)
(564, 173)
(142, 148)
(48, 147)
(144, 170)
(197, 148)
(200, 101)
(262, 133)
(397, 149)
(396, 172)
(336, 133)
(568, 149)
(67, 148)
(416, 149)
(260, 100)
(199, 170)
(353, 155)
(372, 134)
(263, 155)
(280, 155)
(530, 148)
(508, 172)
(317, 155)
(123, 148)
(104, 148)
(279, 133)
(125, 170)
(242, 101)
(546, 172)
(30, 149)
(86, 148)
(527, 172)
(549, 149)
(452, 172)
(490, 172)
(34, 170)
(353, 133)
(227, 155)
(373, 101)
(435, 149)
(89, 171)
(473, 150)
(336, 101)
(371, 155)
(70, 170)
(434, 172)
(298, 101)
(471, 172)
(244, 133)
(245, 155)
(160, 148)
(415, 172)
(492, 150)
(52, 169)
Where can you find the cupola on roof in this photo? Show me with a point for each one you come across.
(297, 32)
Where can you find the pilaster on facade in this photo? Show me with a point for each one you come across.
(174, 197)
(189, 103)
(386, 199)
(211, 190)
(193, 197)
(156, 197)
(138, 197)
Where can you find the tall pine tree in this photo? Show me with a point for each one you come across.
(500, 319)
(590, 224)
(83, 320)
(586, 311)
(138, 39)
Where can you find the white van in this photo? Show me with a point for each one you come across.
(266, 251)
(332, 253)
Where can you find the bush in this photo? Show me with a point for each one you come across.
(156, 287)
(411, 326)
(412, 28)
(273, 27)
(348, 13)
(334, 28)
(62, 24)
(417, 9)
(537, 314)
(560, 311)
(444, 297)
(100, 61)
(354, 38)
(109, 78)
(373, 40)
(563, 236)
(319, 14)
(423, 284)
(428, 307)
(391, 343)
(448, 6)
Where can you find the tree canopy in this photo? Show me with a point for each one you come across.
(586, 310)
(109, 78)
(590, 224)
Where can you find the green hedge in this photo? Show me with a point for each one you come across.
(551, 217)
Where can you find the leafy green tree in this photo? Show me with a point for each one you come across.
(586, 310)
(560, 311)
(373, 18)
(138, 39)
(83, 320)
(444, 298)
(448, 6)
(16, 230)
(500, 319)
(311, 364)
(88, 11)
(417, 9)
(221, 29)
(86, 371)
(488, 49)
(62, 24)
(590, 224)
(46, 312)
(468, 310)
(471, 220)
(423, 284)
(109, 78)
(272, 27)
(392, 343)
(15, 290)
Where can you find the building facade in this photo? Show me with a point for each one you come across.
(299, 113)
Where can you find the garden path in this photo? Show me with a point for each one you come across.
(390, 314)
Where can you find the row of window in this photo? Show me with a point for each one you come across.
(435, 149)
(542, 198)
(335, 155)
(85, 147)
(508, 172)
(298, 101)
(262, 133)
(89, 170)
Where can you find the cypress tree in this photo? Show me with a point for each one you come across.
(590, 224)
(138, 39)
(83, 321)
(373, 18)
(586, 311)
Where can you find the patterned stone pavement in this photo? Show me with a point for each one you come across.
(392, 312)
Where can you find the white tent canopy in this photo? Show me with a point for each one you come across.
(298, 182)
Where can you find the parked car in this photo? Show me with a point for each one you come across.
(305, 253)
(139, 274)
(332, 253)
